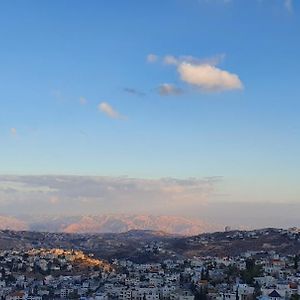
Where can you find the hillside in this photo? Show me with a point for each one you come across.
(156, 246)
(114, 223)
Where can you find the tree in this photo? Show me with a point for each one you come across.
(3, 272)
(295, 297)
(202, 274)
(237, 294)
(231, 273)
(257, 290)
(252, 270)
(250, 264)
(207, 274)
(296, 262)
(73, 295)
(203, 293)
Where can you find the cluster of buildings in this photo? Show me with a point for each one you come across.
(41, 274)
(60, 274)
(292, 234)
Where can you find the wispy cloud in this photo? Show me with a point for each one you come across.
(176, 61)
(110, 111)
(151, 58)
(70, 194)
(58, 95)
(133, 91)
(168, 89)
(83, 101)
(170, 60)
(13, 131)
(288, 4)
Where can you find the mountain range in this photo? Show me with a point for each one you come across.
(109, 223)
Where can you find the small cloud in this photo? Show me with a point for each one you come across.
(170, 60)
(13, 131)
(110, 111)
(168, 89)
(208, 77)
(173, 60)
(83, 101)
(151, 58)
(133, 92)
(58, 95)
(200, 72)
(83, 133)
(288, 4)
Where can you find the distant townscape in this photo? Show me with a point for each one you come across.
(147, 265)
(149, 150)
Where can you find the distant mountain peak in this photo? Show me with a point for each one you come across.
(109, 223)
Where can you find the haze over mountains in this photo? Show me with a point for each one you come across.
(110, 223)
(200, 198)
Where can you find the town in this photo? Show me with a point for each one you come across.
(42, 274)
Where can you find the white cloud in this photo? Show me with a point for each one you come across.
(82, 101)
(202, 73)
(208, 77)
(151, 58)
(110, 111)
(288, 5)
(13, 131)
(167, 89)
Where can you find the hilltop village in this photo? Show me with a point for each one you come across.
(45, 274)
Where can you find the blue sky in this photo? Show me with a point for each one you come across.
(80, 94)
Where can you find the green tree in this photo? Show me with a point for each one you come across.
(257, 290)
(295, 297)
(296, 262)
(252, 270)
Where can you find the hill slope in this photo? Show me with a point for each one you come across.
(135, 245)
